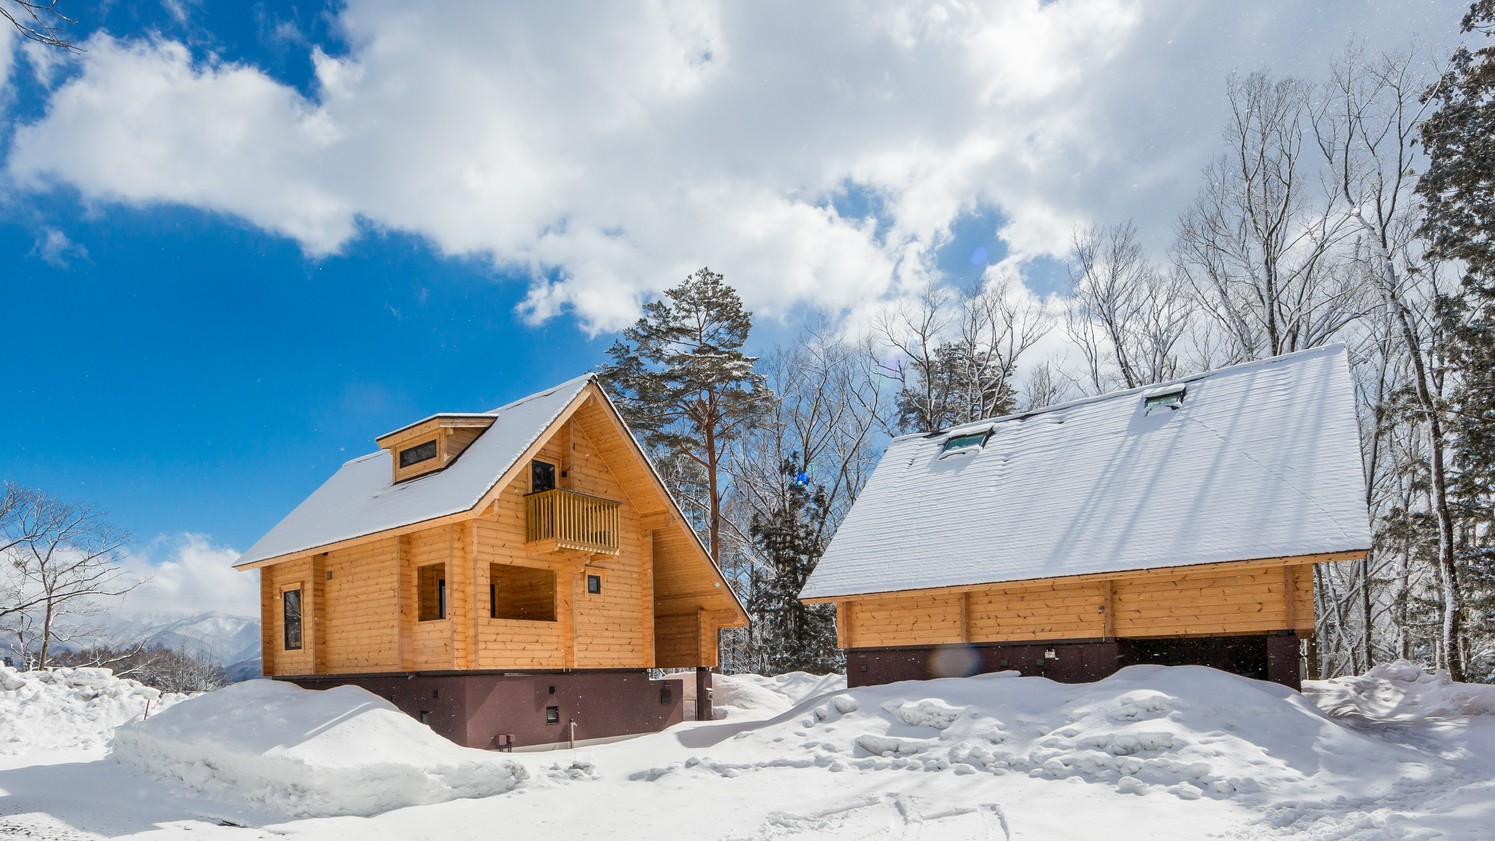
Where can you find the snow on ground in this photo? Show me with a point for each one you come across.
(756, 696)
(344, 751)
(1151, 753)
(70, 708)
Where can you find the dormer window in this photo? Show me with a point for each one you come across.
(431, 444)
(1169, 399)
(418, 453)
(968, 442)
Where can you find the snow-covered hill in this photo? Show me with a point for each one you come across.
(1150, 753)
(228, 639)
(231, 641)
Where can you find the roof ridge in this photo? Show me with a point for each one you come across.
(1238, 367)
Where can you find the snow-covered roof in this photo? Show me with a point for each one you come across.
(361, 499)
(1260, 460)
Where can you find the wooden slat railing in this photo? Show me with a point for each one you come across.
(560, 520)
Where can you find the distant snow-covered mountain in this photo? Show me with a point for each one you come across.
(233, 642)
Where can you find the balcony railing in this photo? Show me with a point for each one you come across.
(559, 520)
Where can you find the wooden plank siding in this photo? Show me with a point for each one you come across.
(1222, 599)
(273, 582)
(367, 597)
(361, 597)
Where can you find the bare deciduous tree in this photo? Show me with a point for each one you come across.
(62, 558)
(1256, 243)
(954, 357)
(1365, 127)
(824, 418)
(39, 21)
(1126, 315)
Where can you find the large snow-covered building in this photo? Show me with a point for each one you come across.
(1172, 524)
(509, 577)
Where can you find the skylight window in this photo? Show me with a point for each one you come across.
(968, 442)
(1171, 399)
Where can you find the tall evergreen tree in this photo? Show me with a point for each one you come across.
(684, 383)
(791, 636)
(1458, 191)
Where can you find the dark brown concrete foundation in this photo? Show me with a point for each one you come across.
(1272, 657)
(498, 710)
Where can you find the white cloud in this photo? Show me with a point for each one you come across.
(7, 65)
(186, 574)
(610, 151)
(56, 249)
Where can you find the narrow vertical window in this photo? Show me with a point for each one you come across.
(492, 600)
(594, 584)
(431, 584)
(290, 604)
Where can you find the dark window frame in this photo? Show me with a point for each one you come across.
(291, 621)
(966, 440)
(594, 579)
(541, 476)
(419, 454)
(424, 578)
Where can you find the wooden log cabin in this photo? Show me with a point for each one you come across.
(509, 577)
(1176, 524)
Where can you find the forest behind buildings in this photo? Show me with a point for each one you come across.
(1352, 208)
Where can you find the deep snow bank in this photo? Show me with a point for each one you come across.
(1401, 691)
(342, 751)
(70, 708)
(1188, 731)
(740, 697)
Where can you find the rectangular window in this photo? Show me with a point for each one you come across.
(594, 584)
(1164, 400)
(552, 715)
(516, 592)
(431, 581)
(541, 476)
(418, 453)
(968, 442)
(290, 605)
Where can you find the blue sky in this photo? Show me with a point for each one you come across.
(239, 241)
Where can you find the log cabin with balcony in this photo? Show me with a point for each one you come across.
(509, 577)
(1175, 524)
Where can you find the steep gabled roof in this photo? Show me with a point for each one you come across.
(1260, 460)
(359, 499)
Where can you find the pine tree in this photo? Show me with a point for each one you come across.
(791, 635)
(960, 383)
(1458, 191)
(684, 383)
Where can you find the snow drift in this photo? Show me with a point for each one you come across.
(756, 696)
(1401, 691)
(342, 751)
(1188, 731)
(68, 708)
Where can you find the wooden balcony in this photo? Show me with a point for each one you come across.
(560, 520)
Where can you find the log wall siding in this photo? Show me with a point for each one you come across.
(361, 603)
(274, 581)
(361, 614)
(1249, 597)
(676, 641)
